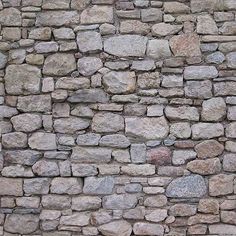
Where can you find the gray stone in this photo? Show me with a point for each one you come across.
(97, 186)
(36, 186)
(164, 29)
(79, 4)
(200, 72)
(170, 81)
(63, 33)
(14, 140)
(88, 139)
(56, 4)
(46, 47)
(229, 162)
(182, 113)
(134, 27)
(82, 170)
(180, 157)
(17, 171)
(22, 79)
(206, 25)
(126, 45)
(138, 153)
(151, 15)
(228, 28)
(225, 88)
(175, 7)
(72, 83)
(143, 228)
(216, 58)
(144, 65)
(231, 113)
(3, 60)
(82, 111)
(89, 65)
(158, 49)
(181, 130)
(222, 229)
(119, 82)
(76, 219)
(42, 33)
(85, 203)
(5, 127)
(7, 111)
(198, 89)
(57, 202)
(157, 215)
(11, 187)
(10, 17)
(231, 60)
(45, 168)
(138, 170)
(115, 141)
(187, 187)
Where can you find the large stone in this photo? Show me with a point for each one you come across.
(225, 88)
(37, 103)
(85, 203)
(101, 185)
(89, 65)
(207, 130)
(14, 140)
(89, 41)
(10, 17)
(146, 128)
(187, 187)
(59, 64)
(119, 82)
(57, 202)
(121, 228)
(164, 29)
(186, 45)
(115, 141)
(97, 14)
(26, 122)
(22, 79)
(213, 109)
(182, 113)
(134, 27)
(198, 89)
(200, 72)
(107, 122)
(142, 228)
(43, 141)
(126, 45)
(138, 170)
(206, 5)
(90, 155)
(175, 7)
(21, 223)
(36, 186)
(208, 205)
(57, 18)
(7, 111)
(229, 162)
(11, 187)
(158, 49)
(206, 25)
(45, 168)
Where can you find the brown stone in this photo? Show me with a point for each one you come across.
(209, 206)
(159, 156)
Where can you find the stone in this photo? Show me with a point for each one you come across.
(186, 45)
(222, 229)
(216, 58)
(228, 28)
(134, 27)
(151, 15)
(57, 202)
(231, 113)
(46, 47)
(198, 89)
(57, 4)
(182, 209)
(155, 201)
(138, 170)
(213, 109)
(7, 111)
(200, 72)
(144, 65)
(229, 162)
(3, 60)
(209, 206)
(169, 81)
(17, 171)
(149, 80)
(164, 29)
(121, 228)
(59, 64)
(89, 41)
(10, 17)
(159, 156)
(187, 187)
(14, 223)
(107, 122)
(224, 88)
(158, 49)
(231, 60)
(90, 155)
(205, 167)
(63, 33)
(220, 185)
(66, 185)
(157, 215)
(126, 45)
(206, 25)
(97, 14)
(22, 79)
(89, 65)
(36, 186)
(85, 203)
(26, 122)
(180, 130)
(34, 103)
(14, 140)
(146, 128)
(42, 33)
(142, 228)
(88, 139)
(202, 218)
(106, 29)
(76, 219)
(207, 130)
(182, 113)
(115, 141)
(79, 4)
(155, 110)
(82, 170)
(228, 217)
(11, 187)
(45, 168)
(119, 202)
(209, 149)
(180, 157)
(138, 153)
(175, 7)
(57, 18)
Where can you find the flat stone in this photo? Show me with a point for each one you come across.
(42, 33)
(11, 187)
(228, 28)
(231, 113)
(229, 162)
(88, 139)
(205, 5)
(56, 4)
(175, 7)
(155, 201)
(206, 25)
(180, 157)
(85, 203)
(126, 45)
(181, 130)
(208, 205)
(187, 187)
(138, 170)
(207, 130)
(216, 58)
(7, 111)
(71, 83)
(198, 89)
(169, 81)
(200, 72)
(10, 17)
(90, 155)
(14, 140)
(134, 27)
(14, 223)
(222, 229)
(138, 153)
(57, 202)
(82, 170)
(158, 49)
(186, 45)
(228, 217)
(142, 228)
(36, 186)
(157, 215)
(43, 141)
(224, 88)
(164, 29)
(79, 4)
(146, 128)
(151, 15)
(45, 168)
(89, 65)
(182, 209)
(115, 141)
(159, 156)
(59, 64)
(63, 33)
(97, 14)
(22, 79)
(76, 219)
(101, 185)
(119, 82)
(182, 113)
(231, 60)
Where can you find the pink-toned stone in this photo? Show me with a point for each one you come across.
(159, 156)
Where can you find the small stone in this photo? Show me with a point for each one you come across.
(42, 33)
(163, 29)
(89, 65)
(169, 81)
(55, 4)
(209, 206)
(11, 187)
(63, 33)
(57, 202)
(229, 162)
(141, 228)
(155, 110)
(82, 170)
(45, 168)
(144, 65)
(206, 25)
(157, 215)
(7, 112)
(182, 209)
(228, 217)
(198, 89)
(136, 170)
(115, 141)
(182, 113)
(85, 203)
(89, 139)
(36, 186)
(158, 49)
(138, 153)
(106, 29)
(14, 140)
(231, 113)
(224, 88)
(149, 80)
(79, 4)
(231, 60)
(187, 187)
(121, 156)
(10, 17)
(159, 156)
(181, 130)
(200, 72)
(180, 157)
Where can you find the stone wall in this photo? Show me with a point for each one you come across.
(118, 118)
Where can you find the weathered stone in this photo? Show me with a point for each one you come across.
(231, 113)
(43, 141)
(208, 205)
(134, 27)
(72, 83)
(22, 79)
(82, 170)
(207, 130)
(138, 153)
(159, 156)
(198, 89)
(151, 15)
(149, 80)
(11, 187)
(89, 65)
(156, 201)
(45, 168)
(163, 29)
(88, 139)
(175, 7)
(158, 49)
(228, 28)
(146, 128)
(231, 60)
(181, 130)
(200, 72)
(59, 64)
(115, 141)
(205, 5)
(187, 45)
(182, 209)
(14, 140)
(14, 223)
(170, 81)
(138, 170)
(202, 218)
(182, 113)
(187, 187)
(180, 157)
(221, 184)
(229, 162)
(36, 186)
(16, 171)
(97, 14)
(79, 4)
(107, 122)
(206, 25)
(42, 33)
(126, 45)
(157, 215)
(76, 219)
(84, 203)
(10, 17)
(155, 110)
(121, 228)
(56, 4)
(216, 57)
(3, 60)
(228, 217)
(222, 229)
(230, 130)
(7, 111)
(224, 88)
(57, 202)
(209, 148)
(142, 228)
(119, 82)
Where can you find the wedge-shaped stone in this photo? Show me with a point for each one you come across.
(76, 219)
(187, 187)
(142, 228)
(164, 29)
(11, 187)
(182, 113)
(138, 170)
(146, 128)
(91, 155)
(22, 79)
(126, 45)
(200, 72)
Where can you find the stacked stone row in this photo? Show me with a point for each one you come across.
(117, 118)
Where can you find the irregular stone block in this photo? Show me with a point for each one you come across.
(142, 228)
(115, 141)
(10, 17)
(36, 186)
(200, 72)
(11, 187)
(76, 219)
(85, 203)
(138, 170)
(158, 49)
(43, 141)
(14, 140)
(45, 168)
(182, 113)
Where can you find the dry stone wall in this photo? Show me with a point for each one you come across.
(118, 118)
